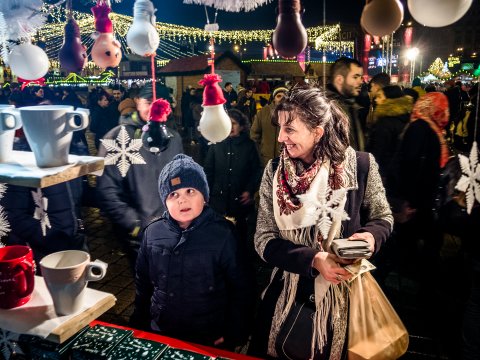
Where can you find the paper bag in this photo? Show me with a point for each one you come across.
(375, 330)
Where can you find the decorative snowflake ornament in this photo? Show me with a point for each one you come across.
(122, 150)
(41, 206)
(469, 182)
(8, 344)
(4, 224)
(325, 207)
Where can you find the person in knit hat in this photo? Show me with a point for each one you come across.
(191, 279)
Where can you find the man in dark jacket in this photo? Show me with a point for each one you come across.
(346, 83)
(126, 192)
(230, 95)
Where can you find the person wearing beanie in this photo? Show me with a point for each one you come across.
(263, 132)
(126, 191)
(191, 280)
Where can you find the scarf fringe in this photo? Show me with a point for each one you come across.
(330, 305)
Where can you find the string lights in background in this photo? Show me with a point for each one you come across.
(171, 34)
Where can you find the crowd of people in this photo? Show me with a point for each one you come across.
(194, 232)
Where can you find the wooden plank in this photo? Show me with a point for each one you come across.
(76, 323)
(22, 172)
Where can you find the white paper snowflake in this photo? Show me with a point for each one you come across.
(4, 224)
(469, 182)
(41, 207)
(326, 205)
(8, 344)
(124, 150)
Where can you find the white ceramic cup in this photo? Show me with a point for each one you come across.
(9, 122)
(66, 274)
(48, 129)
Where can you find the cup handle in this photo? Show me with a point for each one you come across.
(10, 119)
(83, 113)
(24, 267)
(98, 265)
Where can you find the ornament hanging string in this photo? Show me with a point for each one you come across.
(211, 60)
(68, 7)
(152, 57)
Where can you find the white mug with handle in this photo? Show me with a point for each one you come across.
(10, 121)
(66, 274)
(48, 129)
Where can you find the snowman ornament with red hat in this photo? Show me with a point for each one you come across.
(156, 136)
(215, 124)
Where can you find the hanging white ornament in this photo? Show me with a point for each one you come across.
(215, 124)
(28, 61)
(230, 5)
(438, 13)
(123, 152)
(142, 37)
(469, 183)
(41, 207)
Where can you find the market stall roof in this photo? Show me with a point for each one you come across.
(195, 65)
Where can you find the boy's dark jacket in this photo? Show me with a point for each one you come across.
(193, 283)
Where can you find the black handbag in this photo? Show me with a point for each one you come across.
(294, 340)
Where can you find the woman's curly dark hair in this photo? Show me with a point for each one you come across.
(310, 105)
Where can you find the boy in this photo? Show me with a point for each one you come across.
(191, 282)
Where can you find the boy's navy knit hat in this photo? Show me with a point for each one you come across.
(182, 172)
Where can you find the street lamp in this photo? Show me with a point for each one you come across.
(412, 55)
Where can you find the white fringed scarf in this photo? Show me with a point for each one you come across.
(318, 218)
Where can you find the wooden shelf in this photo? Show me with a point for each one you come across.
(23, 170)
(38, 317)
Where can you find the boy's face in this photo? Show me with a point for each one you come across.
(184, 205)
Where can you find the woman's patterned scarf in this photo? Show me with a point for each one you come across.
(295, 180)
(308, 209)
(433, 109)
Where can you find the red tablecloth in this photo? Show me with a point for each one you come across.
(179, 344)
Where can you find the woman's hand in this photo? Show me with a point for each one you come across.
(365, 236)
(328, 265)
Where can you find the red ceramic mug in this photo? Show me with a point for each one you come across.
(17, 275)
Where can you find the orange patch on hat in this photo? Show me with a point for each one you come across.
(175, 181)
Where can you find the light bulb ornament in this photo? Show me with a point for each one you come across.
(72, 54)
(289, 37)
(106, 51)
(156, 136)
(215, 124)
(28, 61)
(381, 17)
(142, 37)
(438, 13)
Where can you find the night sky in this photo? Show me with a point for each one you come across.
(175, 12)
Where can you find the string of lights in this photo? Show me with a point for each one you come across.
(52, 34)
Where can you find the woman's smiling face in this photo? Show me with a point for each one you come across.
(298, 139)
